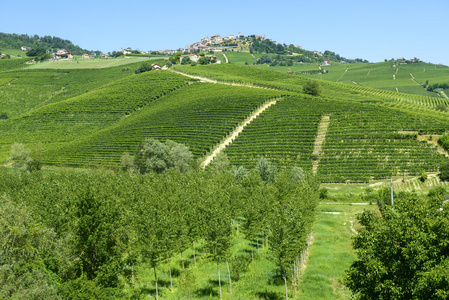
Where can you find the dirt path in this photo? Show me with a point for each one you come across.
(394, 77)
(414, 80)
(442, 93)
(205, 79)
(320, 137)
(341, 74)
(227, 61)
(235, 133)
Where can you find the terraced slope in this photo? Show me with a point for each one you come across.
(78, 117)
(371, 133)
(199, 116)
(24, 90)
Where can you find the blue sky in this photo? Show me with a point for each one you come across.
(373, 30)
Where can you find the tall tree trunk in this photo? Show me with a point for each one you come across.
(229, 274)
(171, 280)
(263, 240)
(252, 255)
(182, 259)
(286, 291)
(204, 250)
(194, 258)
(155, 278)
(132, 272)
(219, 280)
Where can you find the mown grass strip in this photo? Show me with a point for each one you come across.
(331, 252)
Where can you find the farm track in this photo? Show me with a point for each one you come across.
(227, 61)
(235, 133)
(442, 93)
(205, 79)
(320, 137)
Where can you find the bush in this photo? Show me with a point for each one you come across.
(3, 116)
(145, 67)
(442, 107)
(24, 159)
(423, 176)
(312, 87)
(323, 193)
(444, 171)
(186, 61)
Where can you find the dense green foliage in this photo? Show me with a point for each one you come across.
(403, 253)
(88, 232)
(100, 114)
(198, 116)
(312, 87)
(16, 41)
(444, 142)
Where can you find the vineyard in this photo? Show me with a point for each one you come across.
(82, 117)
(359, 145)
(77, 117)
(205, 113)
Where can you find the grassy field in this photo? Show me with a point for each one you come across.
(331, 252)
(96, 63)
(391, 76)
(13, 52)
(330, 255)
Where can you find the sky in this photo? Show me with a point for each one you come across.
(372, 30)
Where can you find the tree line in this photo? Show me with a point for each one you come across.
(75, 235)
(16, 41)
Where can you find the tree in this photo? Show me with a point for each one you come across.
(25, 246)
(266, 171)
(154, 156)
(312, 87)
(179, 156)
(176, 57)
(145, 67)
(220, 163)
(204, 60)
(444, 171)
(24, 159)
(186, 60)
(127, 161)
(36, 52)
(403, 253)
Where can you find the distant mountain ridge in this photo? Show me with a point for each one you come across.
(16, 41)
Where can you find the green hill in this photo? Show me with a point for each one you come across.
(16, 41)
(349, 133)
(396, 75)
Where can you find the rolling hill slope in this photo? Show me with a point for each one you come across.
(371, 133)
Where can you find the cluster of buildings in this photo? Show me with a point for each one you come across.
(206, 43)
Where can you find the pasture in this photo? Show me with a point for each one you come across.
(95, 63)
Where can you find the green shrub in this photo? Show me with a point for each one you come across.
(313, 88)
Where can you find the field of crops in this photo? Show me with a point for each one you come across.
(91, 63)
(77, 117)
(360, 145)
(88, 116)
(198, 116)
(24, 90)
(392, 76)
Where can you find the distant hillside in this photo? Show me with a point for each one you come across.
(16, 41)
(255, 44)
